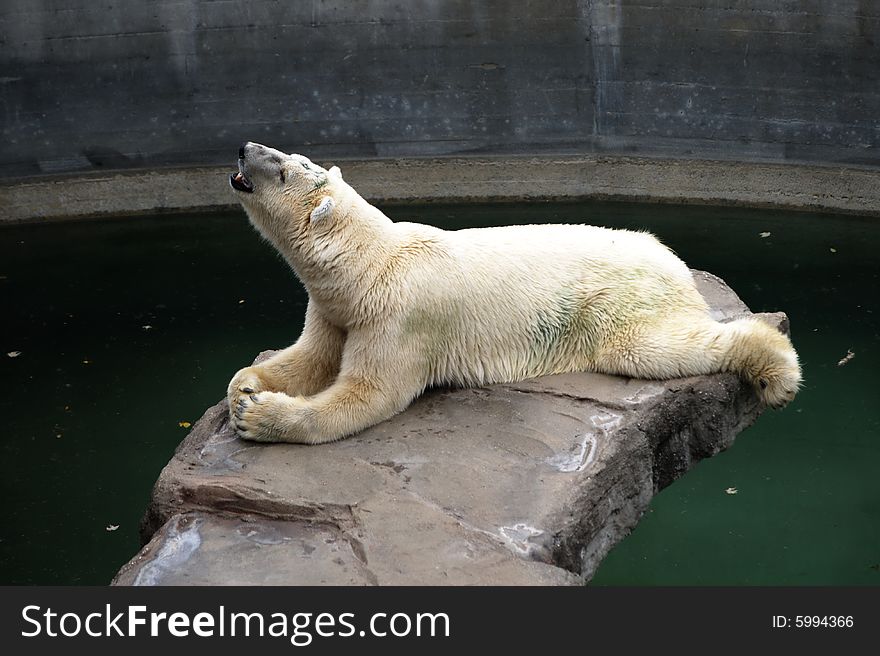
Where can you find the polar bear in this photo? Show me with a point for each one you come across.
(397, 307)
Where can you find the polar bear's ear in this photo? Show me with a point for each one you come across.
(334, 172)
(323, 210)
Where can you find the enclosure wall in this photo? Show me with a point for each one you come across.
(126, 83)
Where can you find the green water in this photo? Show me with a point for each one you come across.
(127, 328)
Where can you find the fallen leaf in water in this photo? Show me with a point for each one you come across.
(147, 327)
(111, 527)
(833, 250)
(14, 354)
(241, 301)
(846, 358)
(731, 490)
(184, 424)
(87, 362)
(763, 235)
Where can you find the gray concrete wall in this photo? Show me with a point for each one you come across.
(841, 189)
(124, 83)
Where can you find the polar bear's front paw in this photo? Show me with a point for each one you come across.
(245, 382)
(257, 416)
(246, 418)
(270, 417)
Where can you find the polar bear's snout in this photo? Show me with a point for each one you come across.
(239, 180)
(262, 168)
(257, 163)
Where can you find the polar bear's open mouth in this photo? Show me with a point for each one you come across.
(240, 182)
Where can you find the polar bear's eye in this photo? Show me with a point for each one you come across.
(282, 176)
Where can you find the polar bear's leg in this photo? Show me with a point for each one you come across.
(305, 368)
(697, 345)
(663, 349)
(375, 383)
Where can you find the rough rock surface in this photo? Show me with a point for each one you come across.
(524, 483)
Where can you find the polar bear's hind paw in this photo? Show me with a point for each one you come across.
(779, 390)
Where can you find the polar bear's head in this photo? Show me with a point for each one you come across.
(284, 195)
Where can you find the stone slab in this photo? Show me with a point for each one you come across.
(524, 483)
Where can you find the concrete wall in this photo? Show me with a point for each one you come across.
(123, 83)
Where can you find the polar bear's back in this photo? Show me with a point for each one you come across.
(567, 243)
(496, 304)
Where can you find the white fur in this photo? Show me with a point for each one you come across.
(323, 210)
(396, 307)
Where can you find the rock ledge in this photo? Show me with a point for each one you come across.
(529, 483)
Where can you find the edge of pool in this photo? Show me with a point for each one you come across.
(833, 188)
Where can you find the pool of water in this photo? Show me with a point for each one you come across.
(126, 330)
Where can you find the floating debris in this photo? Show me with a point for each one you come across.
(731, 490)
(833, 250)
(111, 527)
(184, 424)
(846, 358)
(763, 235)
(14, 354)
(241, 301)
(147, 327)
